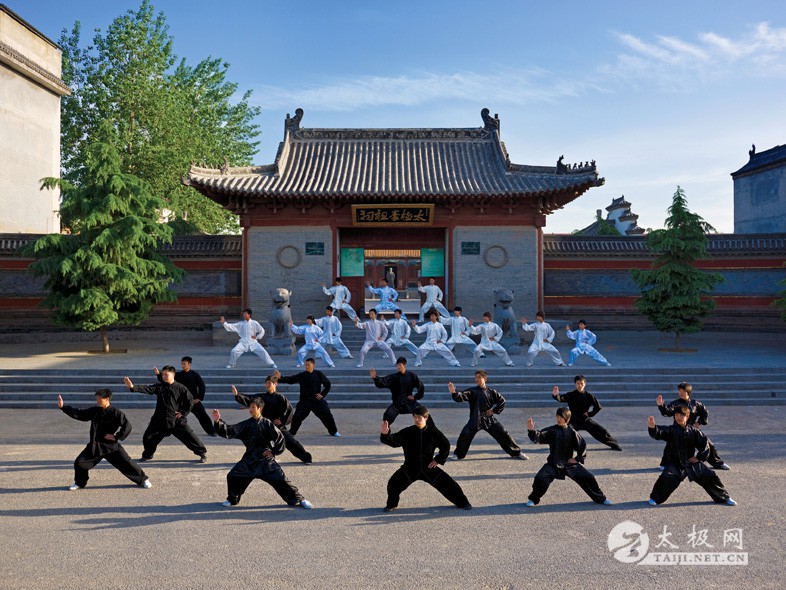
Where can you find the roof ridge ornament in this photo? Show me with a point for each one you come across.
(489, 122)
(292, 124)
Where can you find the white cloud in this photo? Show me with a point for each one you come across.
(506, 86)
(674, 63)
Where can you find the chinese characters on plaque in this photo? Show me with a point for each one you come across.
(378, 215)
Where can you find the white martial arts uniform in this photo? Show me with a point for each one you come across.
(341, 297)
(387, 297)
(433, 299)
(311, 334)
(399, 336)
(584, 341)
(459, 332)
(331, 335)
(436, 336)
(487, 331)
(249, 331)
(376, 332)
(544, 336)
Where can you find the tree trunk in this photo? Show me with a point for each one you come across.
(104, 340)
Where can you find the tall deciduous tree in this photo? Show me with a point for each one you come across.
(167, 113)
(674, 293)
(110, 271)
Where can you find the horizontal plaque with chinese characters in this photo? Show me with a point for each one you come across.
(386, 215)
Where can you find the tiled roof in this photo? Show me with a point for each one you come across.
(386, 164)
(571, 245)
(770, 157)
(618, 203)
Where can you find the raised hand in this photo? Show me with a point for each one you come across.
(277, 373)
(530, 424)
(222, 320)
(128, 382)
(216, 415)
(659, 400)
(59, 401)
(555, 392)
(156, 371)
(523, 321)
(451, 387)
(385, 428)
(651, 422)
(567, 327)
(234, 390)
(373, 373)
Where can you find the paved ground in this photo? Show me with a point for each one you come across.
(116, 535)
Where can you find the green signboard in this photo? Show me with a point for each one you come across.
(432, 262)
(315, 248)
(352, 260)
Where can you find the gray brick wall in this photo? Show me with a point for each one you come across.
(760, 202)
(475, 280)
(268, 248)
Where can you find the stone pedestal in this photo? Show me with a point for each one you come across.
(281, 346)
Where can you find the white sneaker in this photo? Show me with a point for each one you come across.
(298, 366)
(730, 502)
(350, 357)
(146, 484)
(332, 366)
(227, 504)
(512, 364)
(529, 503)
(73, 487)
(230, 366)
(274, 366)
(337, 434)
(359, 366)
(306, 504)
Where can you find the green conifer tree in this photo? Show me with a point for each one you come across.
(109, 272)
(674, 293)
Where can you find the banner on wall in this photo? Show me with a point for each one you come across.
(432, 262)
(352, 260)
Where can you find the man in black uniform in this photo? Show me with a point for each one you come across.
(583, 406)
(402, 385)
(278, 410)
(698, 416)
(108, 426)
(196, 386)
(688, 450)
(419, 442)
(564, 442)
(314, 386)
(263, 441)
(173, 403)
(484, 403)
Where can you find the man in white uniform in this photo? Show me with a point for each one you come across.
(584, 341)
(341, 297)
(387, 297)
(542, 342)
(376, 332)
(433, 299)
(490, 333)
(399, 336)
(436, 336)
(459, 330)
(331, 333)
(311, 332)
(248, 330)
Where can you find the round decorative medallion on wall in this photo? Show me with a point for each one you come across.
(289, 256)
(495, 256)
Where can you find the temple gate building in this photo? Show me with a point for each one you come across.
(402, 204)
(760, 192)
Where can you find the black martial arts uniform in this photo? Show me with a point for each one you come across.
(258, 436)
(104, 421)
(171, 399)
(698, 414)
(583, 406)
(277, 407)
(563, 443)
(402, 385)
(311, 384)
(196, 386)
(419, 445)
(682, 444)
(482, 399)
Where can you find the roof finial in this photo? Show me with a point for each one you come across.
(292, 124)
(752, 151)
(489, 122)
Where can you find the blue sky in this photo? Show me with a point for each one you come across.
(660, 94)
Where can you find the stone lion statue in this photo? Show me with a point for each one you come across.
(504, 316)
(281, 314)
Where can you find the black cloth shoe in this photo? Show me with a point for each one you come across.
(203, 458)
